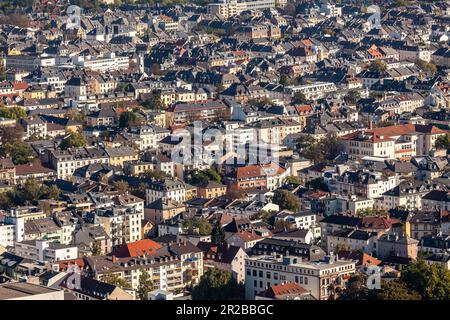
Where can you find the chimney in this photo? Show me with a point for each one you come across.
(114, 259)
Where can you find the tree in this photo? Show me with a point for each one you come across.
(75, 115)
(11, 134)
(217, 284)
(128, 119)
(281, 225)
(96, 248)
(428, 67)
(443, 142)
(357, 290)
(305, 141)
(121, 185)
(431, 282)
(292, 180)
(288, 81)
(317, 184)
(154, 174)
(202, 177)
(342, 247)
(19, 152)
(154, 102)
(115, 280)
(218, 233)
(299, 98)
(12, 113)
(145, 285)
(139, 191)
(202, 225)
(74, 140)
(352, 97)
(396, 290)
(286, 200)
(377, 66)
(318, 151)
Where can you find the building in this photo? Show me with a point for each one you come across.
(395, 245)
(320, 278)
(167, 189)
(41, 250)
(224, 257)
(393, 142)
(29, 291)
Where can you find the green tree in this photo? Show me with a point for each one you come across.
(286, 200)
(19, 152)
(145, 285)
(299, 98)
(305, 142)
(202, 225)
(216, 284)
(153, 103)
(154, 174)
(12, 113)
(202, 177)
(428, 67)
(74, 140)
(352, 97)
(443, 142)
(218, 233)
(292, 180)
(431, 282)
(121, 185)
(128, 119)
(96, 248)
(357, 290)
(11, 134)
(115, 280)
(377, 66)
(396, 290)
(317, 184)
(321, 150)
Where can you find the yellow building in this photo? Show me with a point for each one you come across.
(163, 209)
(117, 156)
(212, 190)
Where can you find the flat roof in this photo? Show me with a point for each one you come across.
(22, 289)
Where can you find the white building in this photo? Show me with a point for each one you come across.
(317, 277)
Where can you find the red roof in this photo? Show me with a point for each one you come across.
(137, 249)
(254, 171)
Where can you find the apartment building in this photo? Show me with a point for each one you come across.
(109, 62)
(147, 137)
(121, 224)
(318, 277)
(167, 189)
(393, 142)
(229, 8)
(66, 162)
(42, 250)
(171, 268)
(313, 91)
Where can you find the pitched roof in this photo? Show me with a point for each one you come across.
(137, 249)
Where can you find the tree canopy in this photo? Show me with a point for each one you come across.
(19, 152)
(203, 226)
(443, 142)
(74, 140)
(12, 113)
(286, 200)
(217, 284)
(321, 150)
